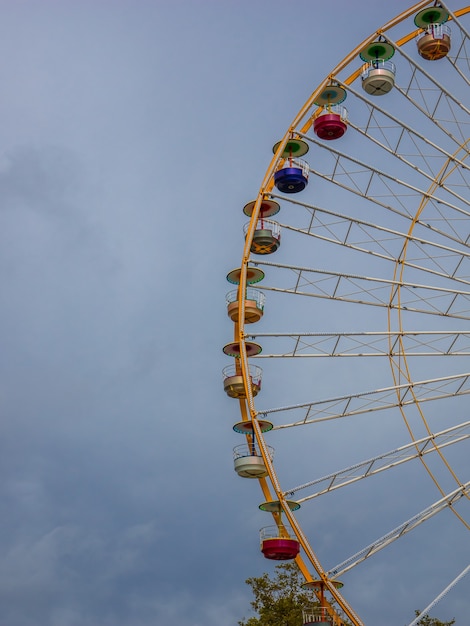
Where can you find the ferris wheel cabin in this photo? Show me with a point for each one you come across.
(317, 615)
(266, 238)
(331, 124)
(434, 41)
(292, 173)
(253, 308)
(234, 386)
(248, 461)
(331, 121)
(292, 177)
(276, 544)
(378, 75)
(276, 541)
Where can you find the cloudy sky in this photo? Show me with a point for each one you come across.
(132, 134)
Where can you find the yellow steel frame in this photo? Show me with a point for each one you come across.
(247, 408)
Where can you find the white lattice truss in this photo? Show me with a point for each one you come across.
(448, 501)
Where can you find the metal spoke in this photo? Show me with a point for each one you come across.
(368, 290)
(368, 344)
(383, 462)
(448, 501)
(374, 400)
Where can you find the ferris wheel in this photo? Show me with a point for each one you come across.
(351, 311)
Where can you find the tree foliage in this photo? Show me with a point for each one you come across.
(432, 621)
(279, 600)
